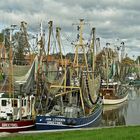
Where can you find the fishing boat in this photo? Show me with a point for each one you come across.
(75, 102)
(15, 113)
(17, 106)
(113, 92)
(136, 80)
(16, 91)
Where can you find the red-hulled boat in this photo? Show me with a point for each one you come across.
(16, 126)
(16, 114)
(17, 73)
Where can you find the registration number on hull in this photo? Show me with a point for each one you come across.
(9, 124)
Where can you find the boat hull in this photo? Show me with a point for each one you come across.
(16, 126)
(60, 122)
(114, 101)
(135, 82)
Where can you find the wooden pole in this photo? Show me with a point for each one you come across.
(50, 32)
(59, 44)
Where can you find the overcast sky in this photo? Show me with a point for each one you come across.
(113, 19)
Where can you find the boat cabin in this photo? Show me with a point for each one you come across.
(15, 107)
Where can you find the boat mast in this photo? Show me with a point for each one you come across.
(107, 69)
(42, 41)
(41, 46)
(59, 44)
(40, 60)
(50, 32)
(98, 46)
(80, 44)
(10, 66)
(63, 63)
(93, 52)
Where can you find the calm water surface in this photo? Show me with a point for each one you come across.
(127, 113)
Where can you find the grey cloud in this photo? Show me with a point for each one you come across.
(111, 18)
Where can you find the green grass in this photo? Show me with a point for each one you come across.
(118, 133)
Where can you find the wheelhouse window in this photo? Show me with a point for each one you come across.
(14, 103)
(3, 103)
(24, 102)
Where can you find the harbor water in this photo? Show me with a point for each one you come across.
(126, 113)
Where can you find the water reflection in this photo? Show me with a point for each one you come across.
(114, 115)
(133, 110)
(134, 93)
(127, 113)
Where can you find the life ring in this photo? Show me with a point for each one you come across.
(22, 111)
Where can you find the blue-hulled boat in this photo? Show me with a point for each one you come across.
(49, 122)
(72, 92)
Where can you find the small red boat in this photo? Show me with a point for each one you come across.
(17, 72)
(16, 114)
(16, 126)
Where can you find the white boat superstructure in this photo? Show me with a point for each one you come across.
(16, 107)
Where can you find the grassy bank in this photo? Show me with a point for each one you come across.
(119, 133)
